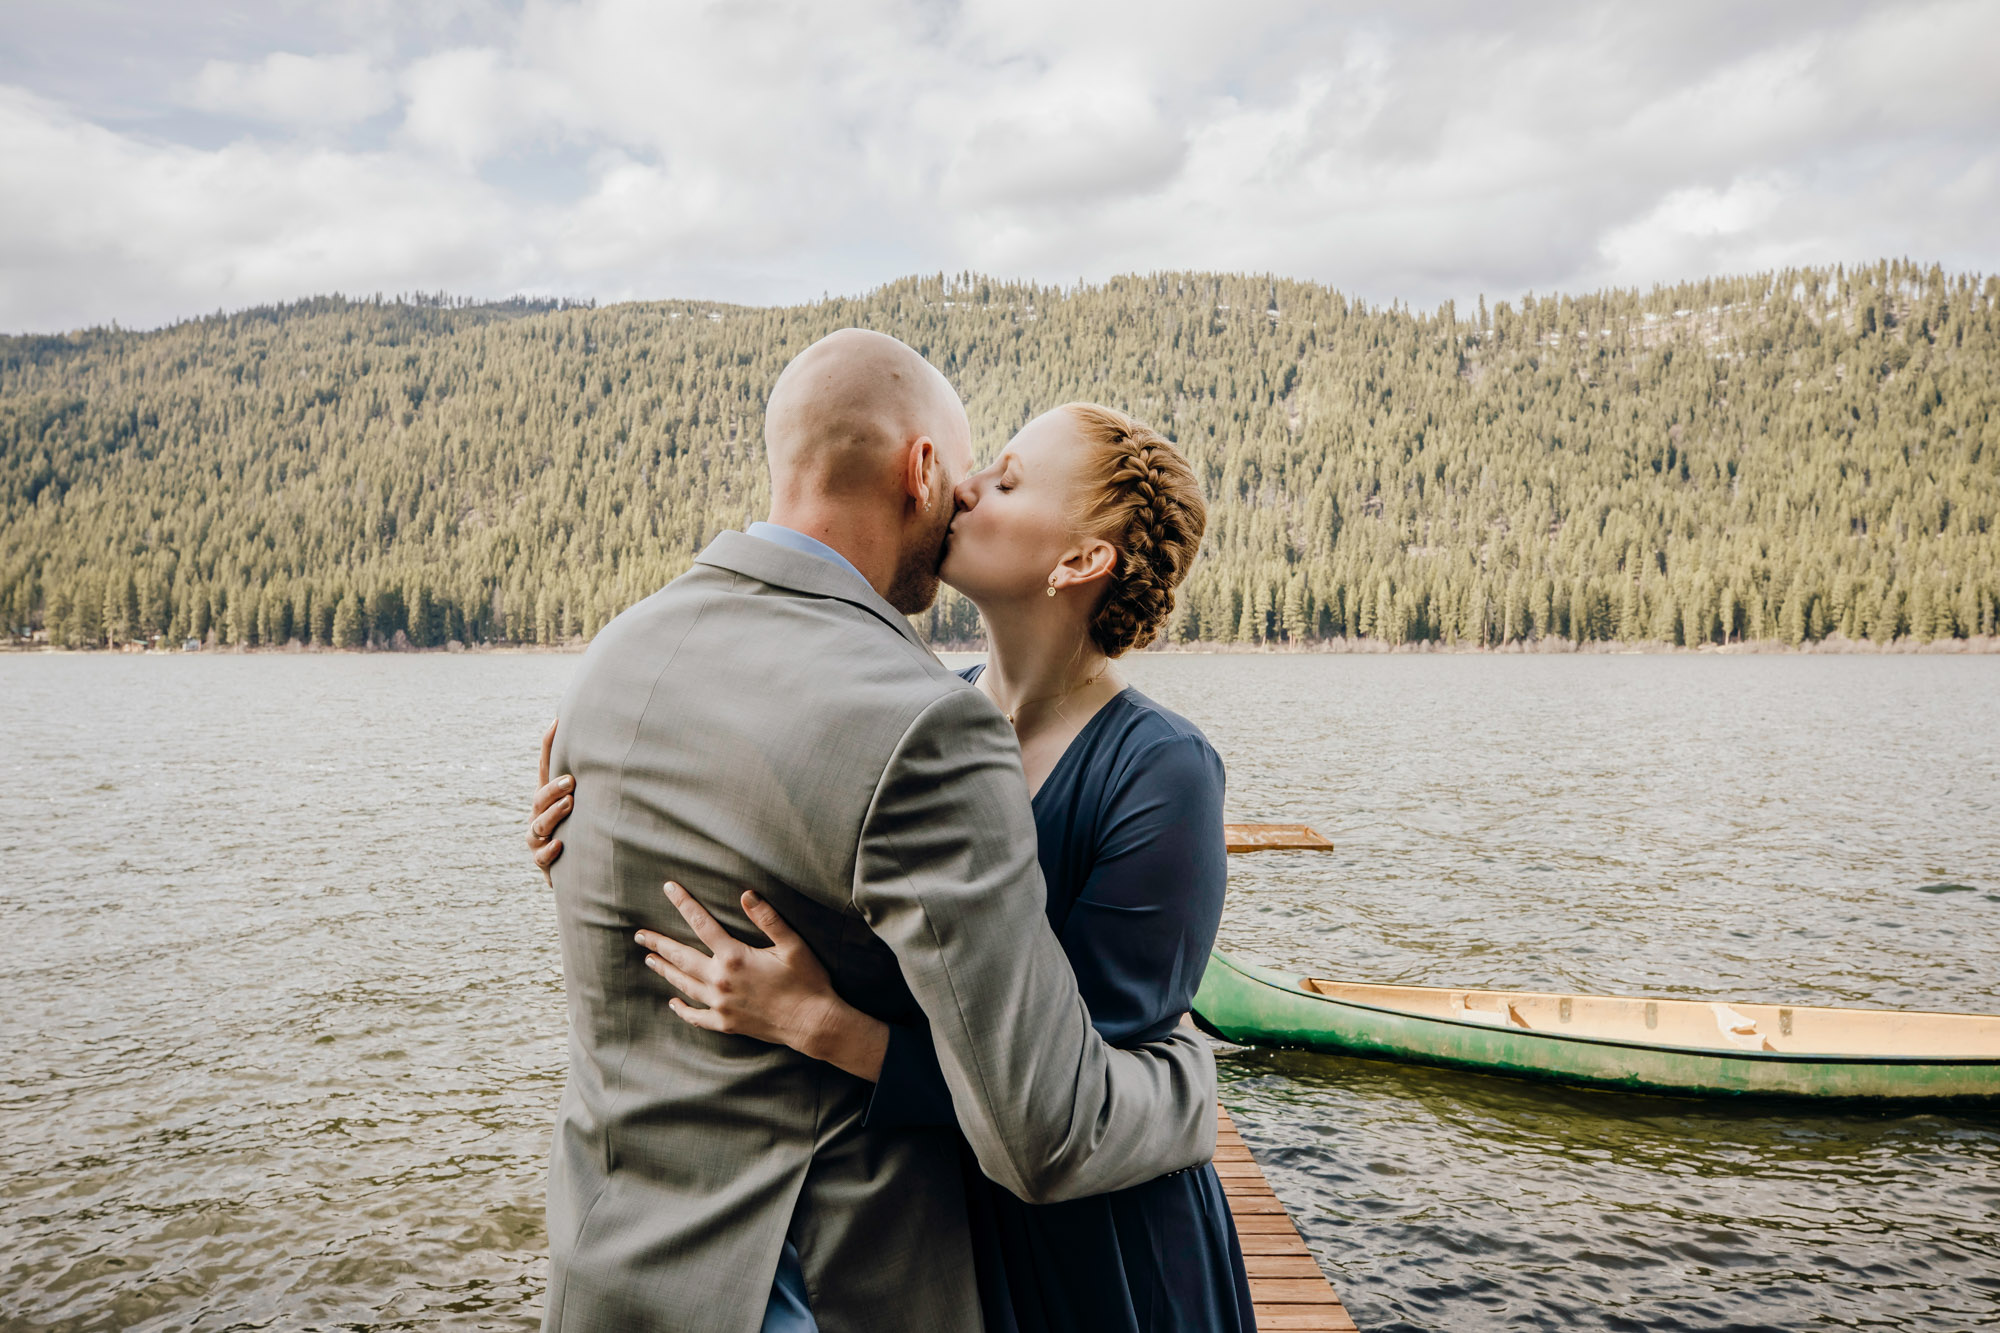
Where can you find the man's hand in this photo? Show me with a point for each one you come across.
(553, 802)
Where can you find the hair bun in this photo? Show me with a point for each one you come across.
(1147, 503)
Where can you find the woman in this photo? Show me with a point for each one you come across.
(1071, 545)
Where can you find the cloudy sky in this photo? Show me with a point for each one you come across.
(163, 160)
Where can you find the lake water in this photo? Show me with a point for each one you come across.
(282, 1026)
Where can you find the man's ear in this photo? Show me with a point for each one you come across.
(920, 472)
(1092, 562)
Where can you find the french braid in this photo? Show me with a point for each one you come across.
(1146, 502)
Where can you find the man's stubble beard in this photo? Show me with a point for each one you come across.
(915, 586)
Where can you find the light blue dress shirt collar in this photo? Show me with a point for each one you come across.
(779, 535)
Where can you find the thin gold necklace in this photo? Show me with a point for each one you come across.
(1064, 695)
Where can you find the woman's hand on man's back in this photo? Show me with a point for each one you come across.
(553, 802)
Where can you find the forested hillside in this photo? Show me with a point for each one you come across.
(1791, 456)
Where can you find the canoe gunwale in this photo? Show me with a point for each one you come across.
(1292, 987)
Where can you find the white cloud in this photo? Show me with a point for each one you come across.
(472, 104)
(120, 229)
(294, 90)
(769, 151)
(1704, 230)
(1066, 140)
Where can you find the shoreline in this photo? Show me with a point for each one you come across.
(1832, 646)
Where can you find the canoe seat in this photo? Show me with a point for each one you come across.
(1738, 1029)
(1508, 1015)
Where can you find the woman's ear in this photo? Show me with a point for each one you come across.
(1092, 562)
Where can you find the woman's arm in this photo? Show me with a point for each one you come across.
(781, 994)
(1140, 931)
(911, 1089)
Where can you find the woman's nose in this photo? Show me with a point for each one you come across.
(966, 493)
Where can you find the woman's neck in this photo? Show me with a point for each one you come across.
(1042, 667)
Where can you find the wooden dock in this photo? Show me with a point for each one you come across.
(1287, 1290)
(1274, 838)
(1286, 1287)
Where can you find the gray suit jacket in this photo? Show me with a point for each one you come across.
(766, 721)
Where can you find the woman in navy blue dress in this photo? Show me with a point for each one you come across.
(1071, 544)
(1130, 826)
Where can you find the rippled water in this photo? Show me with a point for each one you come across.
(284, 1027)
(1812, 829)
(282, 1030)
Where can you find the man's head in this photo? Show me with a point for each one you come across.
(866, 438)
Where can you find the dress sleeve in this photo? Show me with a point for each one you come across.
(910, 1089)
(1141, 929)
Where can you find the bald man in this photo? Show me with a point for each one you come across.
(769, 721)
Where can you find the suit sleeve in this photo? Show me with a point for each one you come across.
(946, 877)
(1139, 934)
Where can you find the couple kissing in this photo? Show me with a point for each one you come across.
(875, 970)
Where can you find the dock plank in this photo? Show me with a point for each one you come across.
(1307, 1321)
(1278, 1225)
(1287, 1290)
(1273, 838)
(1281, 1265)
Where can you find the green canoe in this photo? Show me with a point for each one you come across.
(1690, 1047)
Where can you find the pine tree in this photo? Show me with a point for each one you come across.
(1792, 616)
(521, 472)
(346, 630)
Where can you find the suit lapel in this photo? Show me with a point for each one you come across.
(767, 562)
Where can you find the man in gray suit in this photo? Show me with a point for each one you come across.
(769, 722)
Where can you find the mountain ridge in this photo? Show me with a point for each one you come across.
(1783, 456)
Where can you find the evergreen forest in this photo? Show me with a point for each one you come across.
(1794, 456)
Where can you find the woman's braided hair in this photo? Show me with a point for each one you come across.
(1141, 496)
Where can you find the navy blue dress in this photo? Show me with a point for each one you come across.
(1131, 845)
